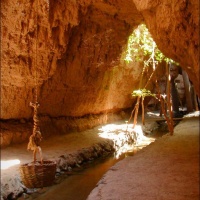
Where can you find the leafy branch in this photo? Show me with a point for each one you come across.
(141, 47)
(142, 93)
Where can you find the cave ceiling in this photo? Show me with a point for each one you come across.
(70, 51)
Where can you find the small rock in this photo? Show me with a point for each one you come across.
(25, 196)
(77, 165)
(58, 170)
(30, 191)
(22, 121)
(42, 190)
(69, 169)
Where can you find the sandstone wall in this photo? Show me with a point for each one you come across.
(71, 52)
(174, 25)
(72, 57)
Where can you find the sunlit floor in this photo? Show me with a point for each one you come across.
(5, 164)
(119, 133)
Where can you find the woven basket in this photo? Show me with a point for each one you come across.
(37, 175)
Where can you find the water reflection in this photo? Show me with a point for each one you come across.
(81, 182)
(121, 134)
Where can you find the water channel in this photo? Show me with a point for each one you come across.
(78, 184)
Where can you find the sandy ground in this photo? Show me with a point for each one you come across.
(52, 148)
(166, 169)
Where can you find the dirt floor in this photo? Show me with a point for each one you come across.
(12, 157)
(166, 169)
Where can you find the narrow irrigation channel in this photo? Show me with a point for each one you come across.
(78, 184)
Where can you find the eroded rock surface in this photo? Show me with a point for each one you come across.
(174, 26)
(70, 53)
(72, 57)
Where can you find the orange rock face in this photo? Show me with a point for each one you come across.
(174, 26)
(71, 52)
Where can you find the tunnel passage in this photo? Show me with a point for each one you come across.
(77, 65)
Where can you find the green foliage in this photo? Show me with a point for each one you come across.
(142, 93)
(141, 44)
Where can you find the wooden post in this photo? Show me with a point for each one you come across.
(174, 93)
(195, 101)
(142, 102)
(169, 119)
(188, 95)
(136, 111)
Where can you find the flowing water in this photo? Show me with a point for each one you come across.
(78, 184)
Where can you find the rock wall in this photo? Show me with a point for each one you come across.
(70, 53)
(174, 25)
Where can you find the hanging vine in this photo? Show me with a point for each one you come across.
(141, 46)
(36, 137)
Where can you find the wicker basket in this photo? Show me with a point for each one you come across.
(37, 175)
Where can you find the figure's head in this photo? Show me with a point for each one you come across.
(174, 71)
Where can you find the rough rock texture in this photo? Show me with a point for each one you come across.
(70, 53)
(73, 56)
(166, 169)
(174, 25)
(68, 151)
(15, 131)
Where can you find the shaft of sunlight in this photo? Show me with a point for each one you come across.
(5, 164)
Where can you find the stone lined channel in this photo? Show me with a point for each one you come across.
(80, 181)
(79, 172)
(77, 184)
